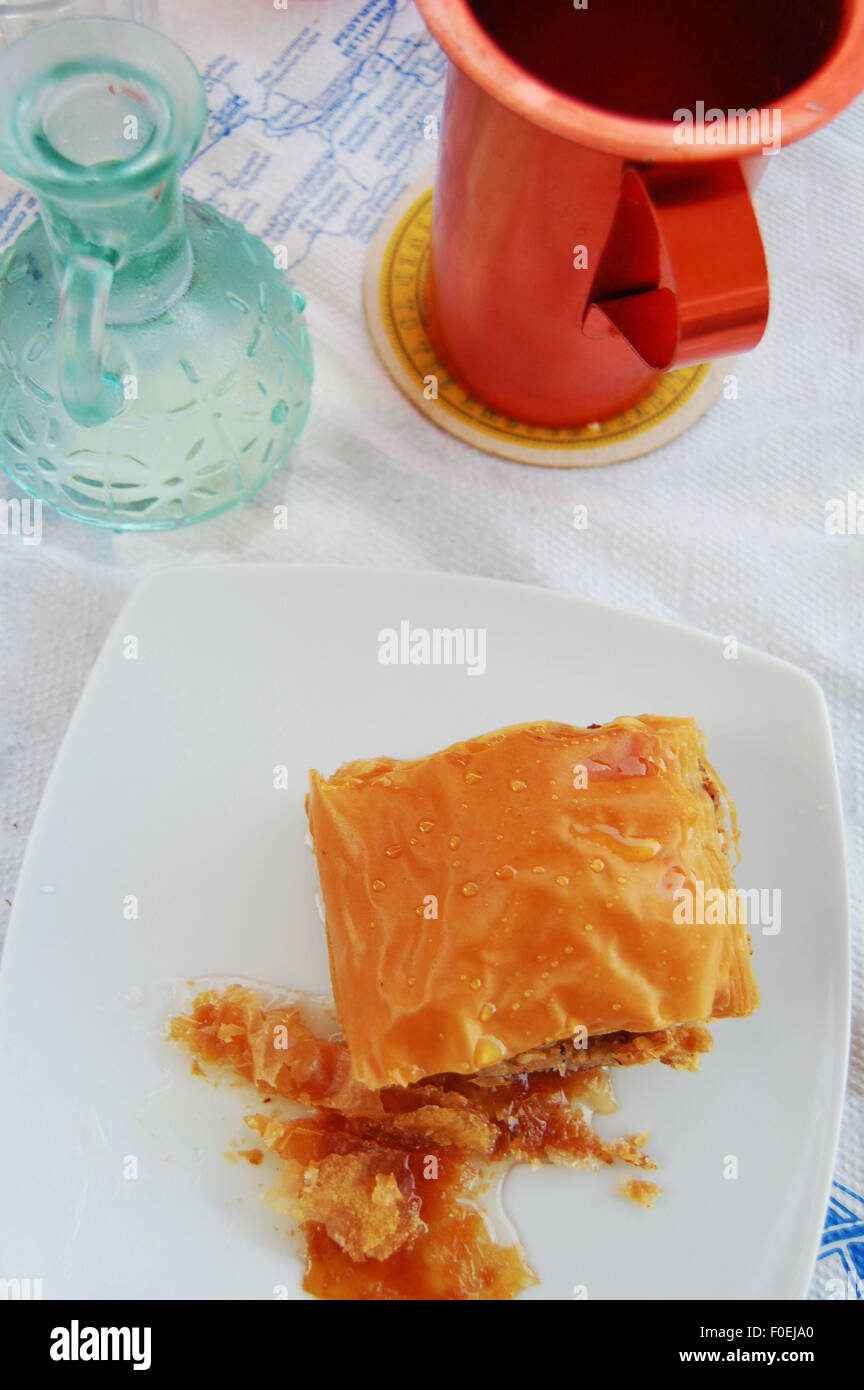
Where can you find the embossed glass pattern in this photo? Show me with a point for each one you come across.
(154, 362)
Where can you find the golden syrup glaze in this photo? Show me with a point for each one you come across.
(387, 1185)
(513, 888)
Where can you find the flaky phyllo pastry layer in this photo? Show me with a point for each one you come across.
(514, 897)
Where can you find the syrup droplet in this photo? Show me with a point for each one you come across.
(455, 841)
(378, 885)
(425, 826)
(506, 871)
(562, 880)
(538, 869)
(486, 1012)
(469, 890)
(393, 851)
(597, 865)
(517, 785)
(475, 984)
(472, 777)
(487, 1053)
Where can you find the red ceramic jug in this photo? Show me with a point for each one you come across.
(593, 225)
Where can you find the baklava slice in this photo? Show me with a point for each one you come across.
(519, 902)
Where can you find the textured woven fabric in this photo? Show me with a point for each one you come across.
(316, 126)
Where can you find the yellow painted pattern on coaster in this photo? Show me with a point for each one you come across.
(401, 292)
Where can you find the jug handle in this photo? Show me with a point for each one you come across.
(89, 393)
(710, 297)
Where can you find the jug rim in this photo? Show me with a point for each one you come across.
(46, 57)
(803, 110)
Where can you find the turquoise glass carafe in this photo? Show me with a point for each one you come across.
(154, 362)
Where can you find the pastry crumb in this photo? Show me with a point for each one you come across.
(644, 1194)
(383, 1184)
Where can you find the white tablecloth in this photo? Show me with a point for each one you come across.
(723, 530)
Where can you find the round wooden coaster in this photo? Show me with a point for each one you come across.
(393, 296)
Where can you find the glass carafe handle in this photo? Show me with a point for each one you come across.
(90, 394)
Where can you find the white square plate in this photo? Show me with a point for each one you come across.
(164, 793)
